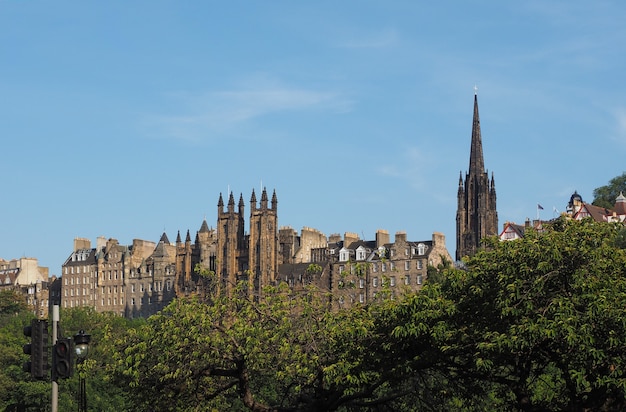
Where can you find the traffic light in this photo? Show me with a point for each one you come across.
(37, 331)
(62, 359)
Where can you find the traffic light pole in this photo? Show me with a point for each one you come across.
(55, 385)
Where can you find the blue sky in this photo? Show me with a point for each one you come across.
(125, 119)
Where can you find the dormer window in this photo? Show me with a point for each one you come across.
(360, 253)
(421, 249)
(344, 255)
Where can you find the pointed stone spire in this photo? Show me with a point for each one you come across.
(188, 238)
(204, 228)
(253, 201)
(220, 204)
(241, 204)
(178, 238)
(477, 162)
(264, 199)
(274, 200)
(231, 203)
(164, 239)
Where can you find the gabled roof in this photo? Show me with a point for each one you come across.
(597, 213)
(516, 230)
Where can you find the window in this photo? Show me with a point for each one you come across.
(361, 298)
(132, 301)
(407, 264)
(392, 281)
(421, 249)
(406, 252)
(392, 265)
(132, 288)
(419, 264)
(383, 267)
(344, 255)
(375, 282)
(419, 279)
(374, 267)
(407, 279)
(361, 283)
(341, 268)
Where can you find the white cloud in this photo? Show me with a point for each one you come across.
(205, 115)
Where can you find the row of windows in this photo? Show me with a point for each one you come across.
(76, 269)
(76, 291)
(361, 252)
(71, 280)
(134, 302)
(383, 266)
(392, 281)
(108, 301)
(158, 287)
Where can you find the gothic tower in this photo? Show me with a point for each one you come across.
(263, 249)
(476, 216)
(230, 244)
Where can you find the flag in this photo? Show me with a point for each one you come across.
(539, 206)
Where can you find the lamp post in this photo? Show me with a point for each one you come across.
(81, 347)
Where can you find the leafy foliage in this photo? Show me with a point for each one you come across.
(543, 319)
(604, 196)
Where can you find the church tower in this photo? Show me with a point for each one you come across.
(230, 243)
(263, 252)
(476, 216)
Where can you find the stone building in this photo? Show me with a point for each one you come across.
(362, 271)
(25, 276)
(142, 278)
(296, 248)
(251, 257)
(476, 216)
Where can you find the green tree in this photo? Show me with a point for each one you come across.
(102, 393)
(282, 352)
(18, 390)
(604, 196)
(540, 321)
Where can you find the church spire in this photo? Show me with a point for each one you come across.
(477, 162)
(476, 216)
